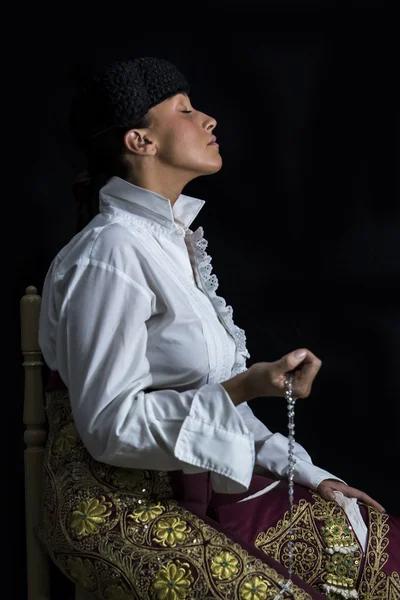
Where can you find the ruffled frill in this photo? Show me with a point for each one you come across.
(210, 284)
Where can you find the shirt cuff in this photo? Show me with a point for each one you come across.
(214, 437)
(311, 476)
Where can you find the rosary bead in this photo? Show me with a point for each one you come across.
(291, 465)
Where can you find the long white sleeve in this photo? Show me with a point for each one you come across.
(100, 344)
(272, 453)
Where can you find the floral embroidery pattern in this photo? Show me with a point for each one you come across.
(81, 572)
(327, 556)
(127, 478)
(170, 531)
(173, 581)
(303, 555)
(256, 589)
(67, 438)
(147, 513)
(89, 515)
(127, 534)
(224, 565)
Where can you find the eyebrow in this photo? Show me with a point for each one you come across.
(181, 97)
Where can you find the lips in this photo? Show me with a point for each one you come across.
(212, 141)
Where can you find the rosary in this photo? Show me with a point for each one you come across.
(292, 461)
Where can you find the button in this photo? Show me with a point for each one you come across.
(179, 232)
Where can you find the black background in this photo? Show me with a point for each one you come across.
(303, 220)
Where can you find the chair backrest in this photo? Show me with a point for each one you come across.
(38, 578)
(38, 563)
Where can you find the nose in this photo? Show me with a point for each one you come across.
(210, 123)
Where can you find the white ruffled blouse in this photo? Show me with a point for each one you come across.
(131, 321)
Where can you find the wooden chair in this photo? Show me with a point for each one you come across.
(38, 563)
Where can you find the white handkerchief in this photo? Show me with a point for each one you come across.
(352, 510)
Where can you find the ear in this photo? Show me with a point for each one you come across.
(139, 141)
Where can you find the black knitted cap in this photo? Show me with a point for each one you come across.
(121, 94)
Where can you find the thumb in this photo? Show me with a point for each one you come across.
(327, 493)
(292, 360)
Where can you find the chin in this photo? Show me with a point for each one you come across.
(214, 168)
(208, 169)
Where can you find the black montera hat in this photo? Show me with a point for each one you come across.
(121, 94)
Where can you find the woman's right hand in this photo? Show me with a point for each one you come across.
(268, 378)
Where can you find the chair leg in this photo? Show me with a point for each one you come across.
(38, 579)
(38, 573)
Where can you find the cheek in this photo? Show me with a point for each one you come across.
(187, 137)
(186, 143)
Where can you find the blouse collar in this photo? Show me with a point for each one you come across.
(134, 199)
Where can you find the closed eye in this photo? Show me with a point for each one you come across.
(186, 111)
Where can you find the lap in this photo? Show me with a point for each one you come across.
(327, 553)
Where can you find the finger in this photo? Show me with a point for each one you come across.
(300, 358)
(327, 494)
(307, 371)
(304, 365)
(304, 377)
(310, 356)
(311, 360)
(291, 361)
(354, 493)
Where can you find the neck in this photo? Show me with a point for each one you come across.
(167, 184)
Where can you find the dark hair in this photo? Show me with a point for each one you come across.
(105, 159)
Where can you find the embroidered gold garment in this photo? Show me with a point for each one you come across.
(344, 571)
(120, 534)
(327, 553)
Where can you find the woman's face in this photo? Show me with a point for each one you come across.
(182, 136)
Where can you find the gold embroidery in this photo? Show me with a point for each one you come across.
(118, 592)
(173, 581)
(170, 531)
(303, 555)
(342, 565)
(127, 478)
(274, 541)
(224, 565)
(256, 589)
(110, 529)
(147, 513)
(338, 533)
(315, 559)
(375, 584)
(81, 571)
(393, 586)
(89, 515)
(340, 568)
(67, 438)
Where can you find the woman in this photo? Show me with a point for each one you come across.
(150, 487)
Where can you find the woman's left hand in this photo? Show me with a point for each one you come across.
(327, 488)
